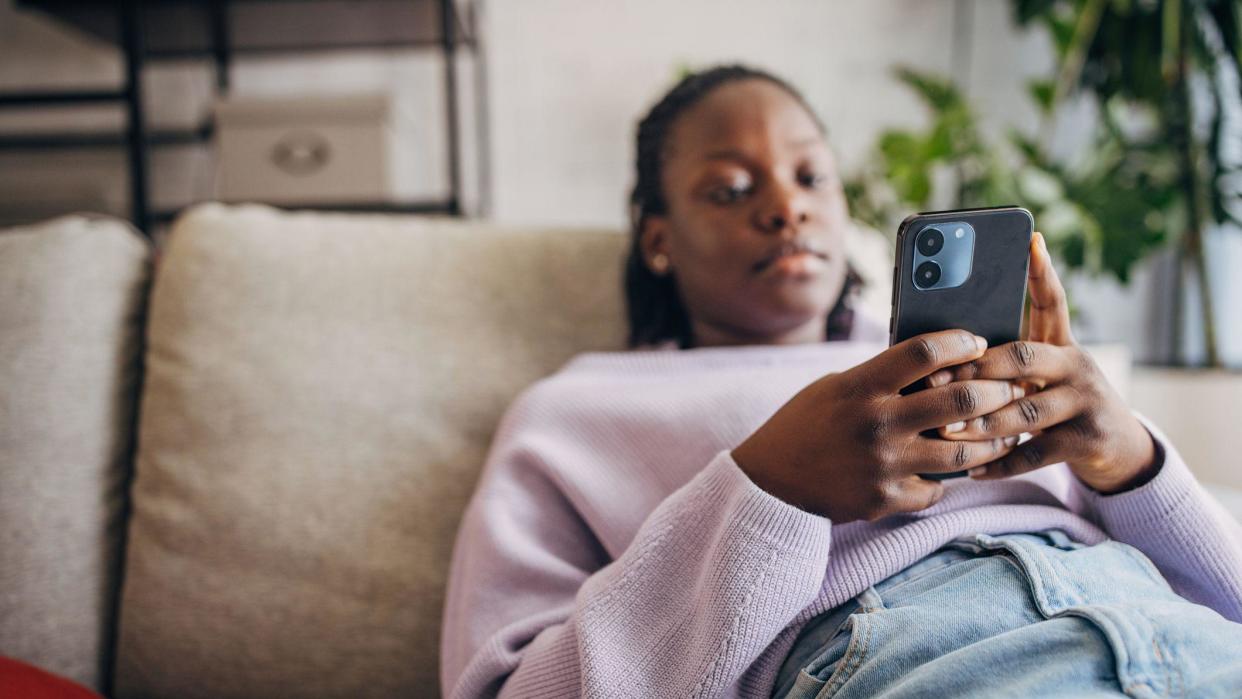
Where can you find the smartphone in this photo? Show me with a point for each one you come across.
(961, 269)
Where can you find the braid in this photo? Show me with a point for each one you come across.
(653, 306)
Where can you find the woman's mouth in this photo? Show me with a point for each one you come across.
(797, 265)
(792, 261)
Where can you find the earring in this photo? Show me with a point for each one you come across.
(660, 263)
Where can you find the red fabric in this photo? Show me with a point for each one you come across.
(18, 679)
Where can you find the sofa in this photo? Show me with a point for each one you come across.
(236, 470)
(234, 466)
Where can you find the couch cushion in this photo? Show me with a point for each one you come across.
(320, 392)
(72, 295)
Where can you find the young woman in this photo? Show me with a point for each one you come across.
(732, 508)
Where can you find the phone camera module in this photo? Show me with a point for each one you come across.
(930, 242)
(927, 274)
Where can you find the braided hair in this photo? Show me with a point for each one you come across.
(653, 306)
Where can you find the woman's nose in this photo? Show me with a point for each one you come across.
(784, 209)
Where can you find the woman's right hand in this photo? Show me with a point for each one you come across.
(849, 446)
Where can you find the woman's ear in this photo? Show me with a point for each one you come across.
(653, 242)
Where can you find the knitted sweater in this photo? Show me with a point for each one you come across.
(614, 548)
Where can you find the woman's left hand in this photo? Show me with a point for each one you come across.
(1070, 409)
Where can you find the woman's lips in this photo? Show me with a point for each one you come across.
(795, 264)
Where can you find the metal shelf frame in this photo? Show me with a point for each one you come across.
(455, 31)
(57, 99)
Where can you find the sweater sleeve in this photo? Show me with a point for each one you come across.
(536, 609)
(1190, 537)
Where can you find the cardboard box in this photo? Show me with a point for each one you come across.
(308, 150)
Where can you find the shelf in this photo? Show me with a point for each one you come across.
(87, 140)
(184, 28)
(220, 31)
(273, 49)
(441, 206)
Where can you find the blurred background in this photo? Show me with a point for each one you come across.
(1118, 123)
(247, 446)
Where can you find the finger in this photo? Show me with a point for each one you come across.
(935, 455)
(1039, 411)
(1050, 319)
(954, 403)
(912, 359)
(915, 494)
(1036, 362)
(1051, 447)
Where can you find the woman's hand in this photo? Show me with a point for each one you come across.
(848, 446)
(1075, 415)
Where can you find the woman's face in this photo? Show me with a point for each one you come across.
(755, 221)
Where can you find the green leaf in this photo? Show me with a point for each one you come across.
(939, 93)
(900, 146)
(1027, 11)
(1042, 91)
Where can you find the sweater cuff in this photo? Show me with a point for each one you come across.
(1156, 499)
(779, 523)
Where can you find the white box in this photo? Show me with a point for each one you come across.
(320, 150)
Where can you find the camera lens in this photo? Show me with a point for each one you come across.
(927, 275)
(931, 240)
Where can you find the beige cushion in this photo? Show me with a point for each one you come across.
(320, 391)
(71, 300)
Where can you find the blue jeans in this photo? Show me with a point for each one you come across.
(1018, 615)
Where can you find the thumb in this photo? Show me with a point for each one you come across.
(1050, 320)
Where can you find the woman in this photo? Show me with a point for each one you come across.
(732, 508)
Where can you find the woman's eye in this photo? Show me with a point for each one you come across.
(812, 180)
(728, 195)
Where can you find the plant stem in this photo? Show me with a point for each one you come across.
(1070, 71)
(1191, 187)
(1076, 53)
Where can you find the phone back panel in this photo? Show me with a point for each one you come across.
(990, 302)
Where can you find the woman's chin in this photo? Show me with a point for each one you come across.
(794, 310)
(816, 297)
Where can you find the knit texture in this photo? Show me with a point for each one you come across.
(614, 548)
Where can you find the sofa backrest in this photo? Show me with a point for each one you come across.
(72, 296)
(320, 391)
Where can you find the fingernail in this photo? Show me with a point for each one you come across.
(1043, 245)
(1011, 440)
(955, 427)
(981, 343)
(939, 378)
(977, 471)
(1018, 391)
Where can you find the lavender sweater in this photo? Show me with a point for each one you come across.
(614, 548)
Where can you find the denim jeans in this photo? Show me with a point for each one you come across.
(1018, 615)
